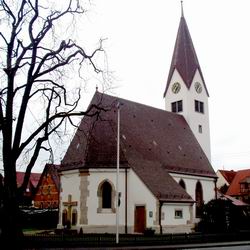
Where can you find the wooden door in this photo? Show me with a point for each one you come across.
(140, 219)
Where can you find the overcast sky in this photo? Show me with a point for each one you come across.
(140, 37)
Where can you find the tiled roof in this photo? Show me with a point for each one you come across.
(234, 188)
(234, 201)
(154, 142)
(34, 178)
(184, 58)
(228, 175)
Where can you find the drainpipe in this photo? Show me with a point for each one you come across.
(126, 200)
(160, 206)
(215, 187)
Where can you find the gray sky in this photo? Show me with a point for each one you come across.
(140, 40)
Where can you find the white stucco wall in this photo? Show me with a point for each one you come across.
(96, 176)
(208, 186)
(168, 213)
(70, 183)
(193, 118)
(139, 194)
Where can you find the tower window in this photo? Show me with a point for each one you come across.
(177, 106)
(200, 129)
(199, 106)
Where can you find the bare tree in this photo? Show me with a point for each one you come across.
(34, 66)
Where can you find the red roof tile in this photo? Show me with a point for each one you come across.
(34, 178)
(184, 58)
(228, 175)
(234, 188)
(154, 142)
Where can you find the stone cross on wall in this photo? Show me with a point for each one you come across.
(69, 204)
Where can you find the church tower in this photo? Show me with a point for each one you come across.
(186, 92)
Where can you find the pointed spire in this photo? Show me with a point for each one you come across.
(182, 12)
(184, 59)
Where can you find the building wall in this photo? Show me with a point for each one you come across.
(104, 220)
(47, 195)
(70, 183)
(208, 187)
(193, 118)
(175, 224)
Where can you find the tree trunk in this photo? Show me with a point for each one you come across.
(11, 221)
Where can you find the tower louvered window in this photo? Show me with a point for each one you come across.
(177, 106)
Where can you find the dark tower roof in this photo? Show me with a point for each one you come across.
(184, 59)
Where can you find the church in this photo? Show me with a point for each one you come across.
(165, 170)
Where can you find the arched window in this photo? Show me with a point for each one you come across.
(64, 217)
(106, 195)
(182, 184)
(74, 217)
(198, 199)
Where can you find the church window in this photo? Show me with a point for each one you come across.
(64, 217)
(198, 199)
(106, 195)
(199, 106)
(200, 129)
(74, 217)
(177, 106)
(182, 184)
(178, 214)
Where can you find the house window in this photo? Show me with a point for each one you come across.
(200, 129)
(198, 199)
(182, 184)
(106, 197)
(74, 217)
(199, 106)
(177, 106)
(178, 214)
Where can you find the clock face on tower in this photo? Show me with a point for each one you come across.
(198, 87)
(176, 87)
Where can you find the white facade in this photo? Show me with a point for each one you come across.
(198, 122)
(92, 218)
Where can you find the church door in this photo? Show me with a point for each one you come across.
(140, 219)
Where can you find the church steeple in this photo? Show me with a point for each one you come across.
(184, 58)
(186, 91)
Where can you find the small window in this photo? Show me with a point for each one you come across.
(200, 129)
(177, 106)
(199, 106)
(178, 214)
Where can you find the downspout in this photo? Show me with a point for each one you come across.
(215, 187)
(160, 206)
(126, 200)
